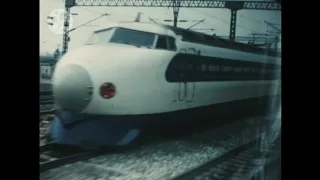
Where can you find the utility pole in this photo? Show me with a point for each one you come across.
(176, 8)
(57, 53)
(276, 31)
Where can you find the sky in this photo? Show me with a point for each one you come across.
(248, 21)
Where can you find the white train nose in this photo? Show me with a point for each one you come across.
(72, 88)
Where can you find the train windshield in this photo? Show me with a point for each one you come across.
(122, 36)
(133, 37)
(100, 37)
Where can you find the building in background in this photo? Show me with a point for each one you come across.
(47, 64)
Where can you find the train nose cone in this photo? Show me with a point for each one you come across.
(72, 88)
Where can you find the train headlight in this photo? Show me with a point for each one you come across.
(107, 90)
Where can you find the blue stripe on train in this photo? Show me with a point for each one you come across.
(76, 129)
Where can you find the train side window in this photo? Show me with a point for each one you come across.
(161, 43)
(198, 52)
(191, 51)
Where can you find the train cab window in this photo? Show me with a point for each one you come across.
(133, 37)
(100, 37)
(166, 42)
(172, 44)
(162, 42)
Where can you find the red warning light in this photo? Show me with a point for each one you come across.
(107, 90)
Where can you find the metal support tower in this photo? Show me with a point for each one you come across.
(233, 24)
(176, 8)
(234, 6)
(67, 8)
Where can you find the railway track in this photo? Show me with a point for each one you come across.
(53, 155)
(46, 112)
(45, 93)
(43, 127)
(46, 98)
(46, 102)
(244, 162)
(168, 159)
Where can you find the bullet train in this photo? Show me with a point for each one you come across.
(130, 76)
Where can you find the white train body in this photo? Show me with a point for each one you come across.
(138, 71)
(139, 76)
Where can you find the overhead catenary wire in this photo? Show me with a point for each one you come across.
(225, 21)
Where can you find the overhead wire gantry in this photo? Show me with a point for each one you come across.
(234, 6)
